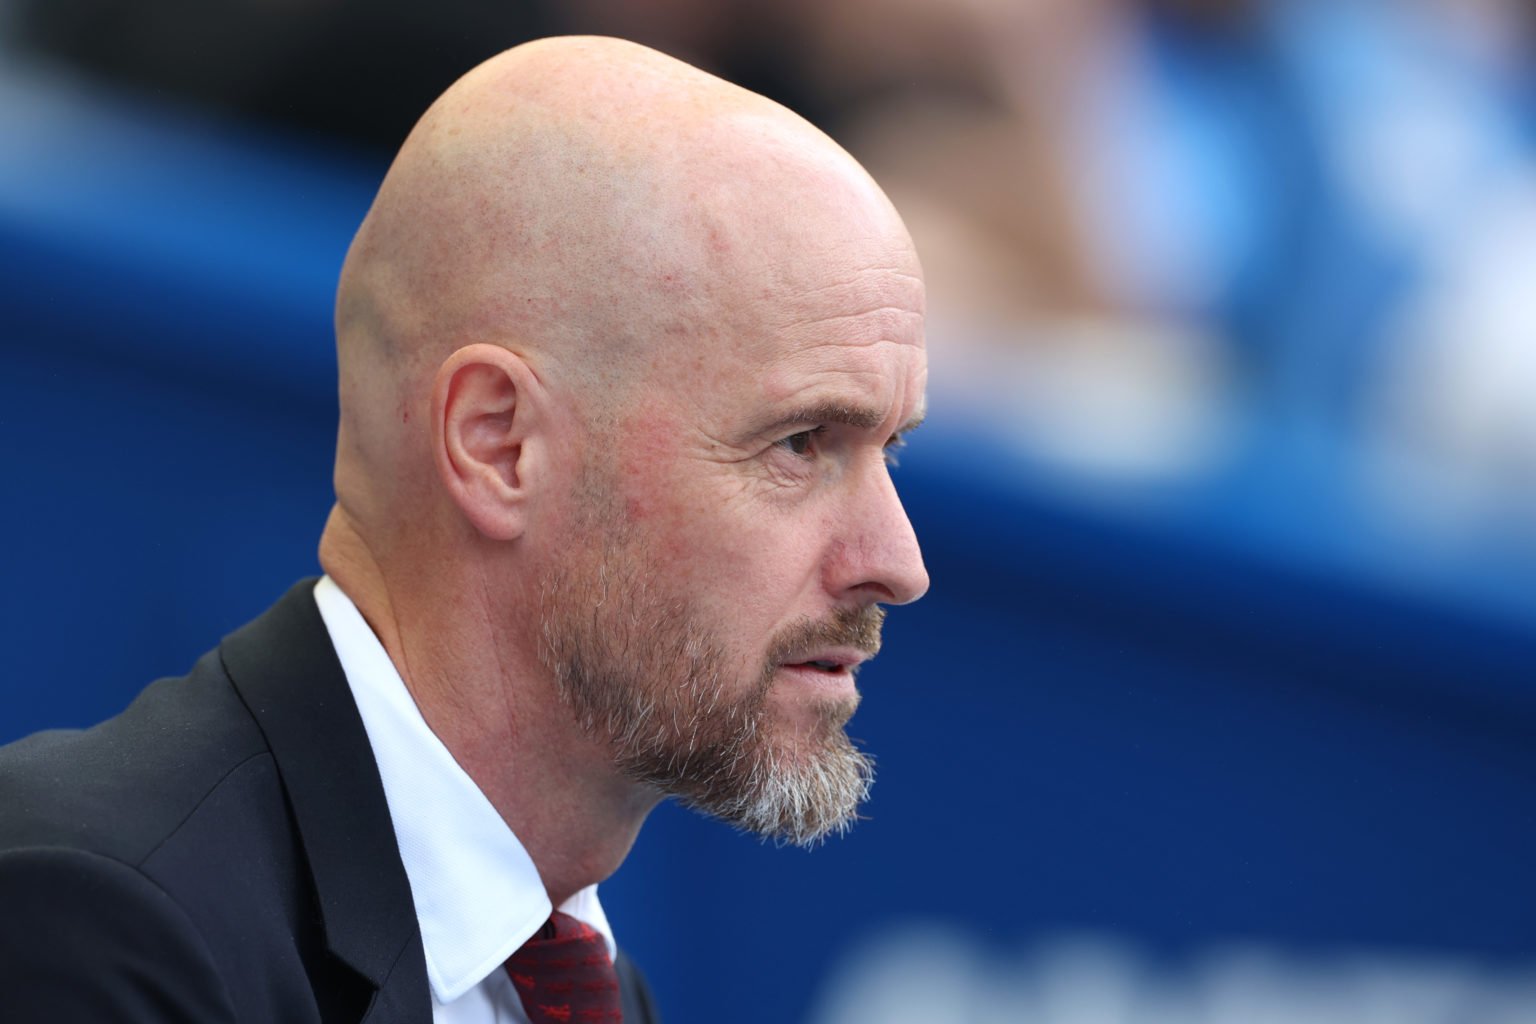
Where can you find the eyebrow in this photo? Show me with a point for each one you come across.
(858, 417)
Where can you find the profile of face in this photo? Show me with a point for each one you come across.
(738, 532)
(661, 333)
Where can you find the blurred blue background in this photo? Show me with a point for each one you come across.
(1223, 704)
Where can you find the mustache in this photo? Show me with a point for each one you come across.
(858, 628)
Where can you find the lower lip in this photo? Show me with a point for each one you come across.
(841, 680)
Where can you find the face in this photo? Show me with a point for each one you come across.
(739, 534)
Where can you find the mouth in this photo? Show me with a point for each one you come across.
(823, 679)
(840, 662)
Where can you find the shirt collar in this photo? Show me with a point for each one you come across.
(478, 895)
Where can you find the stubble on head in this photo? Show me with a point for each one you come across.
(646, 671)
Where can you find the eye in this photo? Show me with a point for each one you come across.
(800, 444)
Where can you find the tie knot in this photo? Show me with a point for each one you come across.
(564, 975)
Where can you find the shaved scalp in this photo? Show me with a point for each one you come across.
(587, 203)
(591, 278)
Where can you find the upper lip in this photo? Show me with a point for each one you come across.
(842, 657)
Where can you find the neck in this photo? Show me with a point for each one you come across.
(474, 673)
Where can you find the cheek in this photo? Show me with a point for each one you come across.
(743, 562)
(750, 573)
(703, 542)
(715, 533)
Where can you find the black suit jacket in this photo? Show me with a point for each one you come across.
(219, 852)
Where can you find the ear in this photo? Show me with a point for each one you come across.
(484, 415)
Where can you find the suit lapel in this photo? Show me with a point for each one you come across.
(286, 671)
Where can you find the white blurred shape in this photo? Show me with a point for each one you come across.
(1426, 992)
(1128, 401)
(919, 975)
(928, 973)
(1455, 417)
(1085, 981)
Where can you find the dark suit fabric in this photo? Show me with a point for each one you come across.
(219, 852)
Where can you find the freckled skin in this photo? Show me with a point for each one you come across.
(588, 255)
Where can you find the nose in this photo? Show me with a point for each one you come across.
(880, 558)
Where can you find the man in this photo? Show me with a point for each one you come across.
(622, 348)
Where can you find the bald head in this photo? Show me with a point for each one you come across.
(594, 207)
(622, 350)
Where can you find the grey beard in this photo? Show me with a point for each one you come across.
(641, 673)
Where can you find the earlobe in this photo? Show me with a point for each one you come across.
(481, 417)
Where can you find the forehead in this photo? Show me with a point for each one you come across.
(860, 330)
(834, 330)
(825, 297)
(771, 272)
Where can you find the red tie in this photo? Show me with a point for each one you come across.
(564, 975)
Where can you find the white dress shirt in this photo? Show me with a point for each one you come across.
(478, 896)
